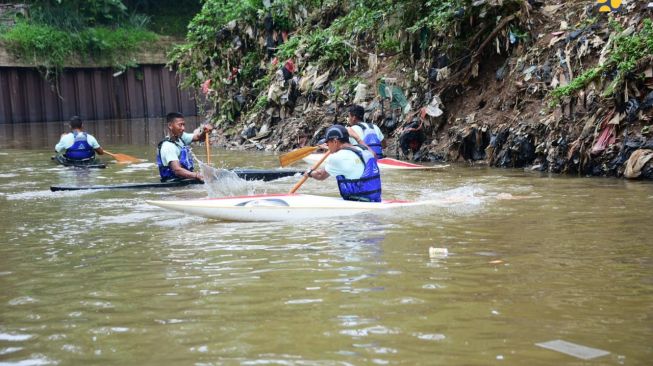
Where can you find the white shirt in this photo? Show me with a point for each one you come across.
(68, 140)
(345, 162)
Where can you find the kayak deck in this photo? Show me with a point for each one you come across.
(276, 207)
(247, 174)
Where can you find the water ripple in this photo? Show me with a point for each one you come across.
(11, 337)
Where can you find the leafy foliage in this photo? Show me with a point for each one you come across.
(90, 12)
(51, 47)
(59, 31)
(42, 44)
(624, 55)
(576, 84)
(628, 49)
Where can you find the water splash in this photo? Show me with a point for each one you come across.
(222, 182)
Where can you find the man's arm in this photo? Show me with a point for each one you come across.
(94, 144)
(355, 136)
(60, 147)
(201, 133)
(179, 171)
(318, 174)
(359, 141)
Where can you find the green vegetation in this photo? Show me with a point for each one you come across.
(630, 49)
(106, 32)
(260, 104)
(359, 20)
(627, 50)
(50, 47)
(576, 84)
(288, 49)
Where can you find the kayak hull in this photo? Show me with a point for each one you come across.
(279, 207)
(176, 183)
(247, 174)
(384, 164)
(86, 164)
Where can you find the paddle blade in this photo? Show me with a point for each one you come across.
(123, 158)
(296, 155)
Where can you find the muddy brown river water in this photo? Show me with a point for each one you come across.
(102, 278)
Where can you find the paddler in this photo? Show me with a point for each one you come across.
(363, 133)
(173, 155)
(355, 168)
(77, 145)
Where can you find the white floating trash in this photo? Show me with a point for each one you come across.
(572, 349)
(438, 252)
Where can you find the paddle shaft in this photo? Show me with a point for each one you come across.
(305, 177)
(208, 149)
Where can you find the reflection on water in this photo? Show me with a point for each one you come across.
(102, 277)
(142, 131)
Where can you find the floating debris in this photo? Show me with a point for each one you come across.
(438, 252)
(572, 349)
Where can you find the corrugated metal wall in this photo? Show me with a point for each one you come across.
(93, 94)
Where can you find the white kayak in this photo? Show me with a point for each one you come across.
(277, 207)
(384, 164)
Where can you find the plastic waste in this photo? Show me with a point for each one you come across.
(572, 349)
(438, 252)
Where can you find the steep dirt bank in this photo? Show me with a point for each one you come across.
(496, 101)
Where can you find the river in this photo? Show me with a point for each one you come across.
(101, 277)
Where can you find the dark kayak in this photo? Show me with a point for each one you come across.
(266, 174)
(247, 174)
(89, 163)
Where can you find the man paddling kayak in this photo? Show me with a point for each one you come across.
(77, 146)
(364, 134)
(355, 169)
(173, 155)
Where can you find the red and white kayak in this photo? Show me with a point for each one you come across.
(277, 207)
(384, 164)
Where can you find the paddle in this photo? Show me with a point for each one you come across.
(123, 158)
(295, 155)
(305, 177)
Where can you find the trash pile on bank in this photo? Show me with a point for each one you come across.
(591, 132)
(520, 97)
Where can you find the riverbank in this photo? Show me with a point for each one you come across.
(557, 87)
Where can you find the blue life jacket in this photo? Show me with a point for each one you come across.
(367, 188)
(371, 139)
(80, 149)
(185, 159)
